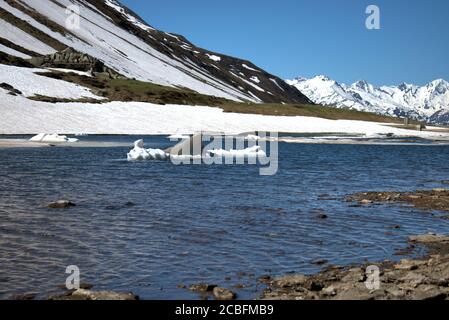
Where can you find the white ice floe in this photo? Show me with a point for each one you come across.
(52, 138)
(139, 153)
(255, 151)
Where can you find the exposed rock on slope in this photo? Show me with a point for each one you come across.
(71, 59)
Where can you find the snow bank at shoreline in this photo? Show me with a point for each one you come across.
(23, 116)
(52, 138)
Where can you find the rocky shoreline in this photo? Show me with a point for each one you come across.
(410, 279)
(436, 199)
(425, 278)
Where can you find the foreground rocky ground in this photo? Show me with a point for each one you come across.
(417, 279)
(420, 279)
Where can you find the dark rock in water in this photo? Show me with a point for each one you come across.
(61, 204)
(319, 262)
(322, 216)
(26, 296)
(128, 204)
(202, 287)
(224, 294)
(264, 279)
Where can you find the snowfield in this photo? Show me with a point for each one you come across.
(23, 39)
(13, 52)
(23, 116)
(30, 84)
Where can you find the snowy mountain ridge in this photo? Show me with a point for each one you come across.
(428, 103)
(124, 42)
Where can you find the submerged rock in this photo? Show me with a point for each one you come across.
(25, 296)
(224, 294)
(202, 287)
(61, 204)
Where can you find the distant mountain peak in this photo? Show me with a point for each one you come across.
(363, 85)
(428, 103)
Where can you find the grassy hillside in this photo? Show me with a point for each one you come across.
(134, 90)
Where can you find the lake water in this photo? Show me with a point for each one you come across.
(216, 224)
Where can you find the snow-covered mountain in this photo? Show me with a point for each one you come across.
(114, 35)
(427, 103)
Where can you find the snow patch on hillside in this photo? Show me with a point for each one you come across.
(30, 84)
(13, 52)
(23, 39)
(213, 57)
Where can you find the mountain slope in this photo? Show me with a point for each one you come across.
(120, 39)
(427, 103)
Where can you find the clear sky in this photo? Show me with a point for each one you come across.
(292, 38)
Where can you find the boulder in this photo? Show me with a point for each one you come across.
(61, 204)
(223, 294)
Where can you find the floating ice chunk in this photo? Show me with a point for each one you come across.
(255, 151)
(139, 153)
(52, 138)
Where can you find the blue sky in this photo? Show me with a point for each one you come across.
(292, 38)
